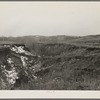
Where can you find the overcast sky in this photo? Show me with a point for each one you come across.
(49, 18)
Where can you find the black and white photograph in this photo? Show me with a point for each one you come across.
(49, 45)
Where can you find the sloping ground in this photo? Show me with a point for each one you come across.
(91, 40)
(69, 64)
(69, 67)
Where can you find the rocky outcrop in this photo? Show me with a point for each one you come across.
(17, 63)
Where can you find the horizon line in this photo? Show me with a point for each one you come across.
(51, 35)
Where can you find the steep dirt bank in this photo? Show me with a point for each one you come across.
(17, 66)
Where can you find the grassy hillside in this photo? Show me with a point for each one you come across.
(73, 63)
(71, 67)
